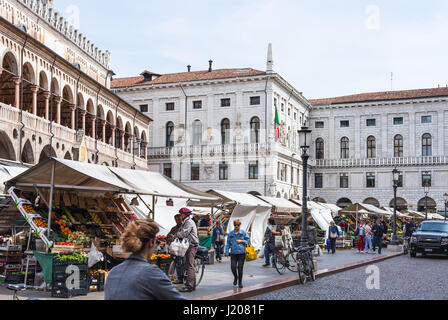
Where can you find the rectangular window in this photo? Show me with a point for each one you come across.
(197, 104)
(253, 170)
(426, 179)
(345, 124)
(195, 172)
(426, 119)
(398, 121)
(255, 101)
(371, 122)
(144, 108)
(318, 181)
(295, 115)
(343, 180)
(400, 181)
(319, 124)
(283, 107)
(170, 106)
(167, 170)
(370, 180)
(225, 102)
(289, 111)
(223, 171)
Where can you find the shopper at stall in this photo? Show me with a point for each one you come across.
(236, 248)
(218, 240)
(360, 233)
(378, 232)
(409, 228)
(136, 278)
(189, 231)
(269, 241)
(368, 237)
(205, 221)
(333, 234)
(180, 261)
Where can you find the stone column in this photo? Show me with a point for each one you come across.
(94, 127)
(139, 141)
(35, 90)
(72, 108)
(17, 91)
(145, 144)
(46, 96)
(83, 120)
(130, 144)
(58, 101)
(122, 140)
(113, 128)
(103, 128)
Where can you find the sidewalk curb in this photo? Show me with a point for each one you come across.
(249, 292)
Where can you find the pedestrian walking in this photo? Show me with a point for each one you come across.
(378, 232)
(360, 234)
(236, 248)
(218, 240)
(269, 242)
(136, 278)
(189, 231)
(179, 261)
(368, 237)
(333, 235)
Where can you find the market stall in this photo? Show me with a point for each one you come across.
(81, 207)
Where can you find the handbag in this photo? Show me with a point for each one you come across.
(251, 254)
(279, 241)
(220, 238)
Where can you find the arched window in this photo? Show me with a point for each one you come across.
(225, 130)
(427, 145)
(345, 148)
(197, 133)
(320, 149)
(169, 134)
(398, 146)
(255, 130)
(371, 147)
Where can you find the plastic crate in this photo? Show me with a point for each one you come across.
(97, 279)
(13, 278)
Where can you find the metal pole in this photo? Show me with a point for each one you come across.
(154, 208)
(426, 206)
(304, 240)
(445, 210)
(50, 207)
(394, 236)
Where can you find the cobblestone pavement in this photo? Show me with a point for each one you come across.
(401, 278)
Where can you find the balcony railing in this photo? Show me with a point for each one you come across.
(208, 150)
(380, 162)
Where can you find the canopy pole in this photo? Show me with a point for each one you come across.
(150, 209)
(154, 208)
(50, 207)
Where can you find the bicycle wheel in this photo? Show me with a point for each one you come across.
(301, 270)
(291, 260)
(200, 268)
(280, 262)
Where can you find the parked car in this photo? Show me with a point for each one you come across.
(431, 237)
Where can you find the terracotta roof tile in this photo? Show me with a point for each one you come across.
(187, 76)
(383, 96)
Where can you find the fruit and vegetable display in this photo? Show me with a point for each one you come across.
(79, 257)
(161, 256)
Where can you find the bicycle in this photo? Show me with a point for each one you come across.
(305, 264)
(199, 267)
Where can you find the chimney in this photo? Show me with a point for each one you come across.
(210, 66)
(270, 60)
(189, 68)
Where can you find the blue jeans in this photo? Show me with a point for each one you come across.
(268, 251)
(368, 244)
(219, 249)
(377, 241)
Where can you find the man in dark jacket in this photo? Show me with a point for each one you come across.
(378, 231)
(409, 228)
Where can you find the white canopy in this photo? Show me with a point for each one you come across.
(9, 171)
(282, 205)
(253, 213)
(334, 208)
(363, 208)
(321, 215)
(73, 175)
(435, 216)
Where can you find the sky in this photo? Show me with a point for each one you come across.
(324, 48)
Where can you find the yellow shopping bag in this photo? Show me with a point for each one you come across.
(251, 254)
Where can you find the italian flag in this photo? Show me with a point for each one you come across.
(277, 124)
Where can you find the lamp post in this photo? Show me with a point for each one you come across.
(396, 177)
(426, 200)
(305, 142)
(445, 197)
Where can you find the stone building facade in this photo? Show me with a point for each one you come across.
(55, 96)
(214, 129)
(360, 139)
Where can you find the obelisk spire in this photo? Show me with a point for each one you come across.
(270, 60)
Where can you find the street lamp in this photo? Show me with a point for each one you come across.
(445, 196)
(305, 142)
(396, 177)
(426, 200)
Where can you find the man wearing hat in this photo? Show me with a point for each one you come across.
(189, 231)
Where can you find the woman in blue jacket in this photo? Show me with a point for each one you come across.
(333, 235)
(236, 244)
